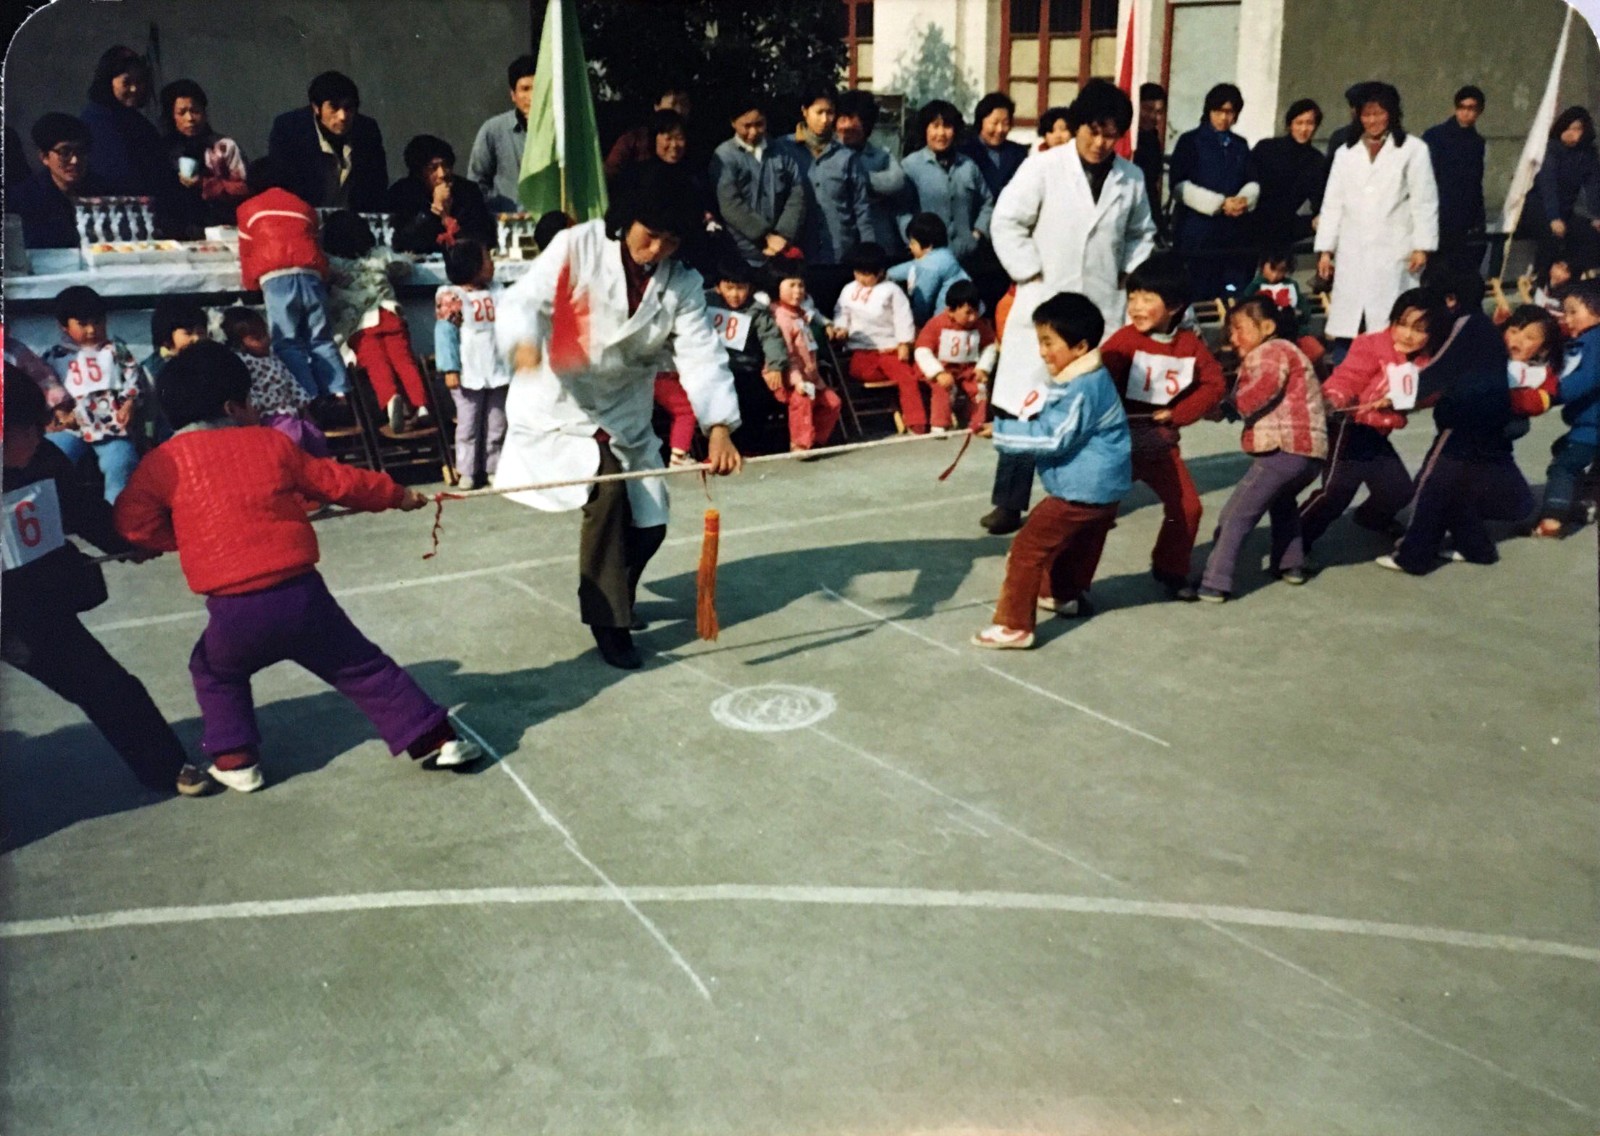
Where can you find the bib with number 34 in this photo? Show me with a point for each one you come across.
(1403, 378)
(32, 524)
(1158, 379)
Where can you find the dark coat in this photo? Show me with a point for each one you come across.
(294, 142)
(49, 218)
(1568, 176)
(417, 228)
(998, 166)
(1291, 174)
(1222, 163)
(1457, 155)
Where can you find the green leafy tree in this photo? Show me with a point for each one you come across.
(928, 70)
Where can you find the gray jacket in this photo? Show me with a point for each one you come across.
(756, 198)
(837, 214)
(496, 161)
(959, 195)
(886, 181)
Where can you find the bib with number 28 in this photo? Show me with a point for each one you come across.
(1158, 379)
(1402, 384)
(732, 328)
(32, 524)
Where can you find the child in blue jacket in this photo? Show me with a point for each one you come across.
(1080, 445)
(1578, 395)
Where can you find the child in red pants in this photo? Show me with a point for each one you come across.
(1168, 380)
(813, 406)
(956, 349)
(873, 320)
(671, 397)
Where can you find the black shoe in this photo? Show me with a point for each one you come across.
(1079, 608)
(616, 647)
(1295, 576)
(1178, 587)
(194, 782)
(639, 624)
(1000, 521)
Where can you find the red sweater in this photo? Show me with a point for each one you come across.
(228, 501)
(1361, 379)
(277, 230)
(1188, 405)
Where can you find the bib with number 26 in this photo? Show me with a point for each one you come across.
(1402, 384)
(1158, 379)
(32, 524)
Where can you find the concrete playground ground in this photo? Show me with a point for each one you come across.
(1321, 860)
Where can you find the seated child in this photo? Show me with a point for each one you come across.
(1079, 442)
(1274, 279)
(1370, 394)
(1280, 402)
(176, 322)
(366, 316)
(756, 352)
(274, 393)
(278, 253)
(813, 406)
(873, 320)
(1168, 380)
(957, 348)
(102, 380)
(1578, 395)
(1551, 279)
(48, 582)
(932, 269)
(233, 489)
(465, 354)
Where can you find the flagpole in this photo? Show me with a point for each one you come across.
(1533, 149)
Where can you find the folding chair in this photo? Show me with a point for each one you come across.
(879, 400)
(351, 443)
(420, 446)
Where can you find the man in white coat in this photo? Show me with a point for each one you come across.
(1380, 217)
(1074, 219)
(601, 311)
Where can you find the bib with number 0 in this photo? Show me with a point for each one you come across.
(956, 346)
(732, 328)
(1158, 379)
(1526, 374)
(1403, 379)
(32, 524)
(90, 371)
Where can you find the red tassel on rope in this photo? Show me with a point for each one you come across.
(961, 453)
(438, 520)
(705, 584)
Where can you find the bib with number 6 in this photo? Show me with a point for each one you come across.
(32, 524)
(1526, 374)
(957, 346)
(89, 371)
(1158, 379)
(1402, 384)
(732, 328)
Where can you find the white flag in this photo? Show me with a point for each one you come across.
(1538, 138)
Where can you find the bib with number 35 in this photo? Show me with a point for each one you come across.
(1402, 384)
(1158, 379)
(32, 524)
(90, 371)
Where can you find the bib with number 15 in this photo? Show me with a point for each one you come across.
(1158, 379)
(1402, 384)
(32, 524)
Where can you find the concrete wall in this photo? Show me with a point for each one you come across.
(434, 66)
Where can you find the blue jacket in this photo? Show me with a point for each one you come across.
(1457, 155)
(837, 214)
(927, 280)
(49, 217)
(999, 165)
(959, 195)
(886, 184)
(1569, 177)
(294, 141)
(757, 198)
(126, 152)
(1079, 441)
(1579, 394)
(1222, 163)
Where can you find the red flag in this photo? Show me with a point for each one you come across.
(1125, 144)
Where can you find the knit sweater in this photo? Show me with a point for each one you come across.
(942, 346)
(1363, 378)
(1278, 397)
(876, 318)
(228, 500)
(1153, 372)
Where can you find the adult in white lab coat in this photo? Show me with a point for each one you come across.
(1075, 218)
(1380, 217)
(601, 311)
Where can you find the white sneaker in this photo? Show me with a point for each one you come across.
(1453, 555)
(1000, 638)
(458, 751)
(1389, 562)
(938, 429)
(246, 780)
(465, 483)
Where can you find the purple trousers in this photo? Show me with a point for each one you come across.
(298, 621)
(1270, 486)
(1457, 497)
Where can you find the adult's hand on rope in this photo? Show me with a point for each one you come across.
(413, 501)
(721, 454)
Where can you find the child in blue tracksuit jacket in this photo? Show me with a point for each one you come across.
(1081, 447)
(933, 268)
(1578, 395)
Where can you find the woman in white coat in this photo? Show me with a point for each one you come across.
(601, 311)
(1380, 217)
(1075, 218)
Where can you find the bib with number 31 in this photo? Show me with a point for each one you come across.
(32, 524)
(1158, 379)
(1402, 384)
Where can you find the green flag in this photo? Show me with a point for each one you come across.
(561, 162)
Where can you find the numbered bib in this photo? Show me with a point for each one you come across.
(90, 371)
(1527, 374)
(732, 328)
(1158, 379)
(1402, 384)
(956, 346)
(32, 524)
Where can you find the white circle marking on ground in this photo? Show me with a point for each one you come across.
(772, 708)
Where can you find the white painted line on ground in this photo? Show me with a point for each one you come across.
(554, 822)
(994, 670)
(553, 561)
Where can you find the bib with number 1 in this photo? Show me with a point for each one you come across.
(1158, 379)
(1402, 384)
(92, 370)
(32, 524)
(732, 328)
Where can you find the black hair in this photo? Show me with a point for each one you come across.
(1048, 120)
(1575, 114)
(734, 271)
(345, 234)
(196, 384)
(1151, 92)
(1435, 314)
(742, 100)
(267, 172)
(660, 197)
(861, 105)
(993, 101)
(1277, 254)
(781, 268)
(1263, 309)
(423, 150)
(1072, 316)
(236, 321)
(333, 87)
(1526, 315)
(54, 128)
(79, 302)
(462, 261)
(1461, 281)
(665, 121)
(1553, 251)
(1165, 274)
(1471, 91)
(928, 230)
(962, 293)
(1220, 96)
(114, 61)
(673, 85)
(868, 256)
(174, 313)
(171, 93)
(521, 67)
(937, 110)
(25, 403)
(548, 225)
(1101, 101)
(810, 96)
(1587, 293)
(1299, 107)
(1385, 95)
(1356, 94)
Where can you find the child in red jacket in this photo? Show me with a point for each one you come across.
(1168, 380)
(279, 254)
(814, 407)
(234, 490)
(956, 349)
(1369, 395)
